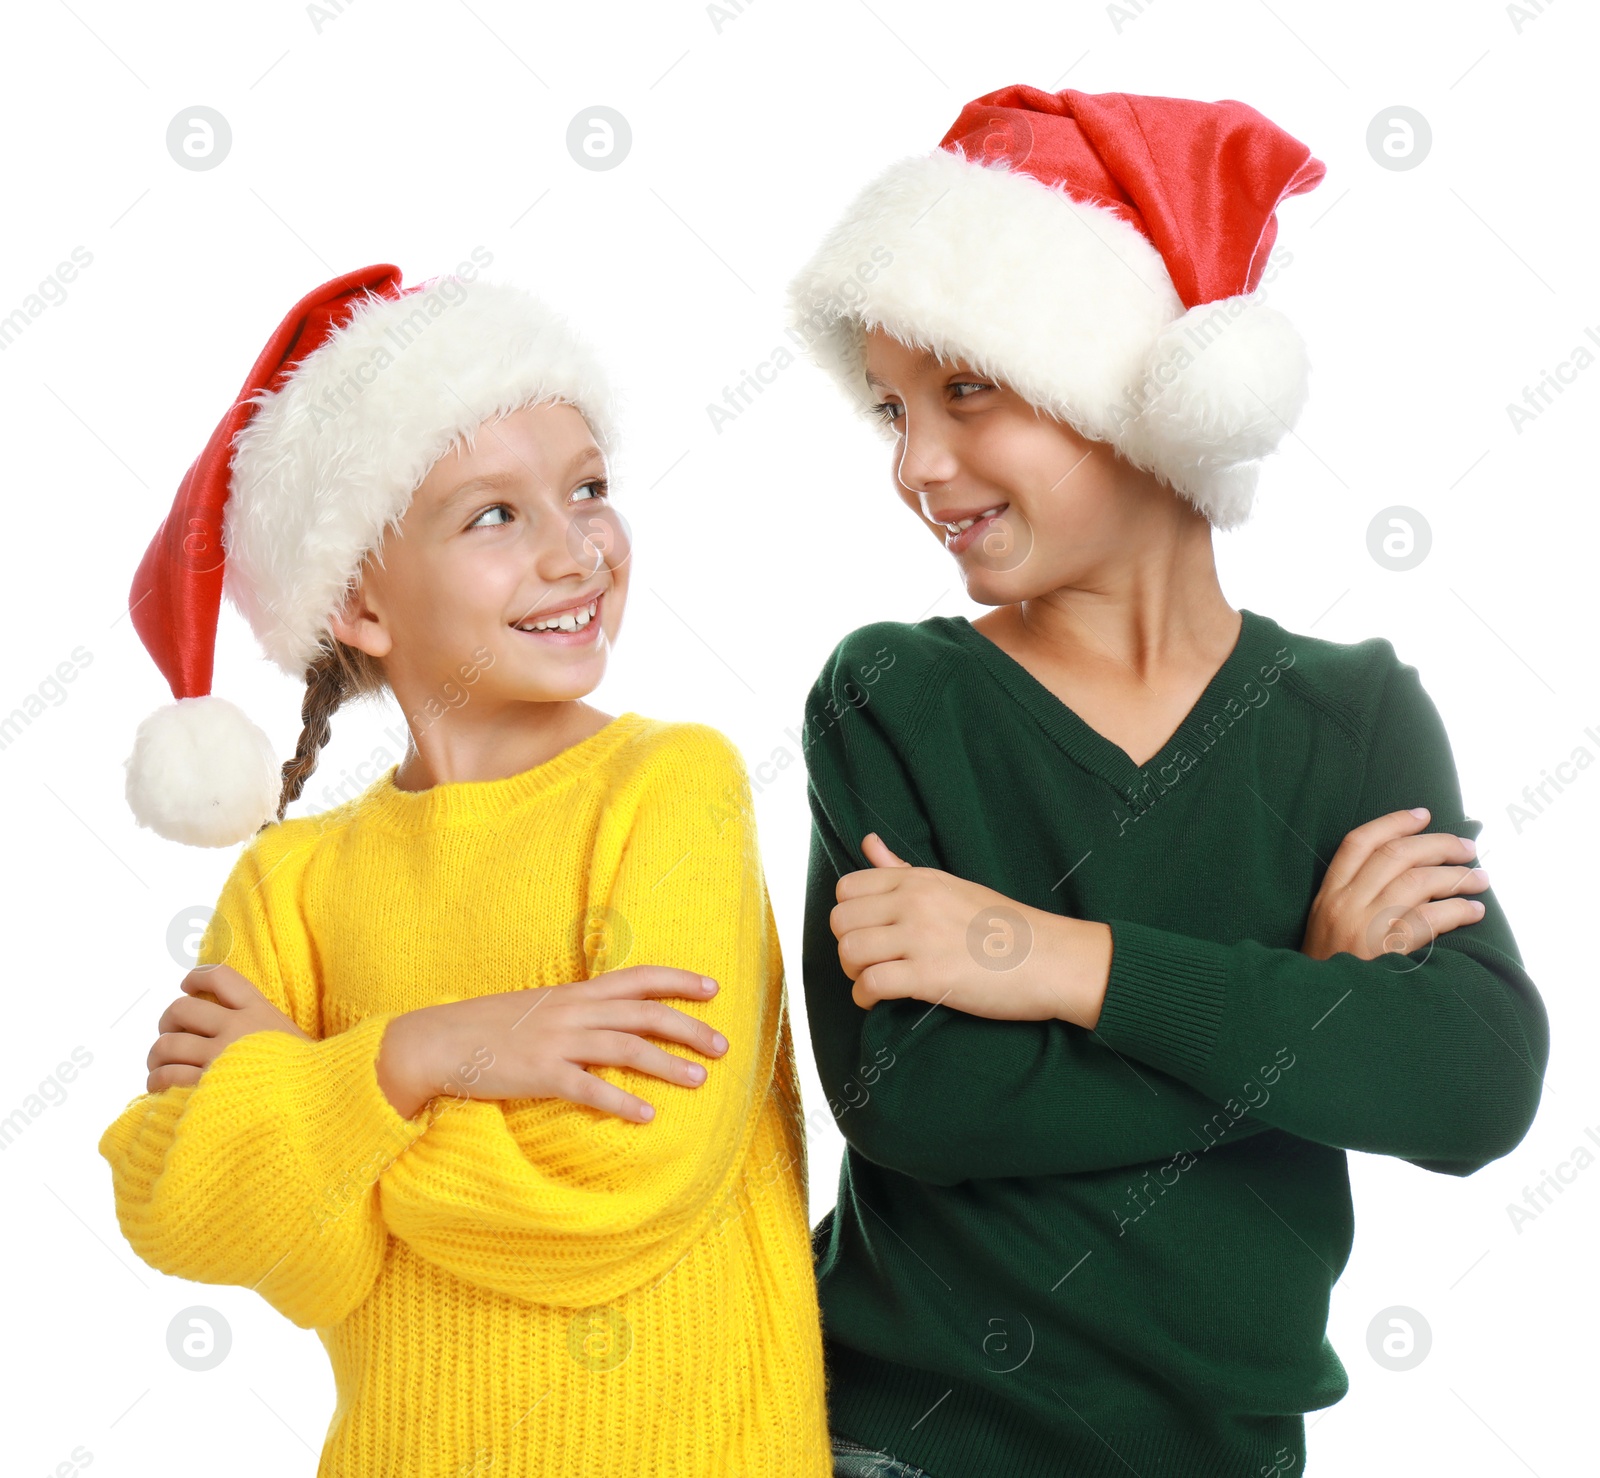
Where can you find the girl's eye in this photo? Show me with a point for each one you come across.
(601, 488)
(885, 410)
(969, 384)
(478, 522)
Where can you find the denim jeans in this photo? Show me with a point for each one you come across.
(852, 1460)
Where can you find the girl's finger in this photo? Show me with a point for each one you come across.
(648, 980)
(193, 1014)
(575, 1085)
(181, 1048)
(624, 1049)
(223, 983)
(171, 1076)
(656, 1019)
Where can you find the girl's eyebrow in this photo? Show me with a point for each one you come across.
(506, 475)
(475, 485)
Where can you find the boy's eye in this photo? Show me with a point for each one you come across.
(889, 411)
(478, 522)
(601, 488)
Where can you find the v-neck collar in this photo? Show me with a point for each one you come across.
(1090, 748)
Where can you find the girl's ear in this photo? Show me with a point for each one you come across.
(357, 625)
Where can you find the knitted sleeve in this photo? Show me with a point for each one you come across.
(1436, 1057)
(263, 1173)
(927, 1090)
(562, 1204)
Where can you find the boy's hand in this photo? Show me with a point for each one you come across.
(920, 933)
(541, 1042)
(194, 1029)
(1389, 890)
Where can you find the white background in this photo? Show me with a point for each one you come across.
(412, 133)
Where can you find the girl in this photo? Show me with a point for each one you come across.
(1103, 975)
(413, 1094)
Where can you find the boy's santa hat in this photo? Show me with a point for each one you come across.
(1097, 253)
(358, 393)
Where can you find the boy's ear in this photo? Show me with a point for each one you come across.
(357, 625)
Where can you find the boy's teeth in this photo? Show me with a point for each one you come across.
(568, 621)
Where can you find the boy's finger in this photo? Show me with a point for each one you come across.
(1389, 864)
(876, 851)
(865, 881)
(1360, 845)
(862, 912)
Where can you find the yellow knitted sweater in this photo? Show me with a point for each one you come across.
(518, 1287)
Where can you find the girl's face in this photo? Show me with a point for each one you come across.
(1042, 508)
(516, 532)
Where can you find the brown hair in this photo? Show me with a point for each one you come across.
(339, 673)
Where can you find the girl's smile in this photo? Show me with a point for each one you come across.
(575, 624)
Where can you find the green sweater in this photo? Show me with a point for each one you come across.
(1081, 1253)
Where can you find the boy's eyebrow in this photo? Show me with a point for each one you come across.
(926, 360)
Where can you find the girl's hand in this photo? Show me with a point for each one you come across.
(194, 1029)
(1391, 891)
(540, 1043)
(920, 933)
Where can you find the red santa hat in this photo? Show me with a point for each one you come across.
(1097, 253)
(359, 391)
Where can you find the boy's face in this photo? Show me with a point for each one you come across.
(515, 531)
(1051, 508)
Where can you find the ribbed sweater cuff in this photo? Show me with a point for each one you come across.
(343, 1120)
(1164, 998)
(360, 1119)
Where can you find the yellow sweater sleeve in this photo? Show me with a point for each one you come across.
(561, 1204)
(264, 1173)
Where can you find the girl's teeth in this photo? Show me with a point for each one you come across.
(967, 523)
(569, 621)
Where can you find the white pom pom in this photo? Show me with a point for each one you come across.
(201, 772)
(1223, 384)
(1225, 494)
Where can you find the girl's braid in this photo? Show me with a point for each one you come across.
(326, 689)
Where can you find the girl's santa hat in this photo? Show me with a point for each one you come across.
(359, 391)
(1097, 253)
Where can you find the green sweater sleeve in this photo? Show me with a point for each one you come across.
(926, 1090)
(1436, 1057)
